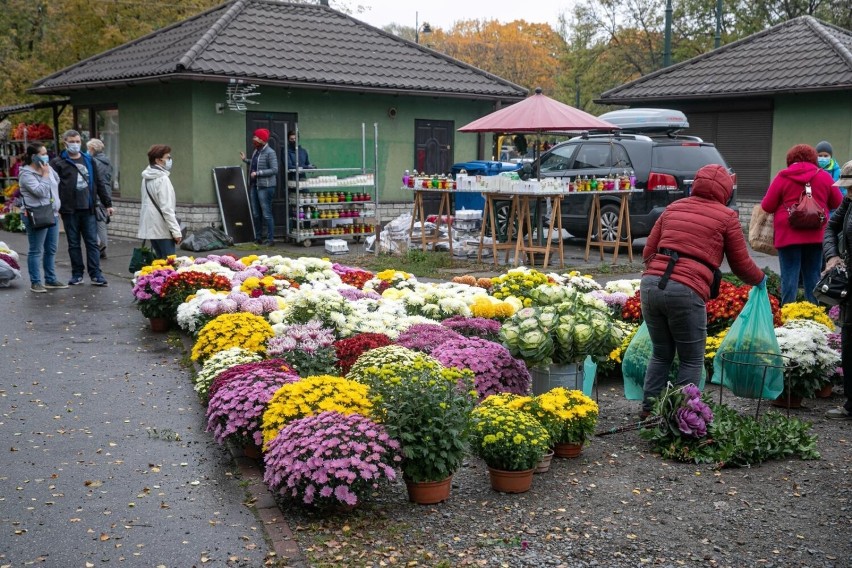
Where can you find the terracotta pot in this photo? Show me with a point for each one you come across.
(253, 451)
(565, 450)
(428, 492)
(544, 463)
(783, 402)
(159, 325)
(826, 391)
(510, 481)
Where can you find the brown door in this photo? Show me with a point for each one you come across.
(433, 146)
(278, 124)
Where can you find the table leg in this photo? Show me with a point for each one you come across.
(557, 212)
(510, 228)
(594, 217)
(625, 201)
(485, 217)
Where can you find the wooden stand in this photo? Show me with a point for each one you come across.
(489, 223)
(623, 222)
(444, 208)
(525, 223)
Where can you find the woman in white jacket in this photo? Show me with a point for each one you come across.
(157, 221)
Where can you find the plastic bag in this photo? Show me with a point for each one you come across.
(7, 274)
(634, 363)
(751, 349)
(208, 238)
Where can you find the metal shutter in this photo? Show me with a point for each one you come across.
(744, 138)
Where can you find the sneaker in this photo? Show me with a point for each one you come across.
(258, 242)
(100, 281)
(270, 243)
(75, 281)
(55, 285)
(38, 289)
(836, 413)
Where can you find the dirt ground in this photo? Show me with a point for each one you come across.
(616, 505)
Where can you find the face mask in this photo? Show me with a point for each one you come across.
(823, 162)
(43, 159)
(291, 144)
(258, 145)
(73, 147)
(168, 164)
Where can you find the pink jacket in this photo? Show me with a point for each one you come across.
(784, 191)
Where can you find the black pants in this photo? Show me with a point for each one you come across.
(846, 352)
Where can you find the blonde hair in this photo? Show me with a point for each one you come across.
(95, 146)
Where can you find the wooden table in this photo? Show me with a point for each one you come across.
(526, 246)
(489, 222)
(444, 208)
(623, 223)
(521, 214)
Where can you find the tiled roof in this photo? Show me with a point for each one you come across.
(802, 54)
(275, 42)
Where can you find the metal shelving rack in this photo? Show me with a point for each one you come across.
(305, 198)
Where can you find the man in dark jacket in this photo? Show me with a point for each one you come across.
(263, 174)
(297, 155)
(96, 151)
(80, 185)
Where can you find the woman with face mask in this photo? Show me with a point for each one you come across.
(157, 220)
(39, 185)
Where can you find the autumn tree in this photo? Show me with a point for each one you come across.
(527, 54)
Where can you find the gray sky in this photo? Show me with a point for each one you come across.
(442, 13)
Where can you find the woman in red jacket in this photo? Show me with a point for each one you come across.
(799, 250)
(682, 253)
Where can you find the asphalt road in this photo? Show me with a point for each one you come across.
(104, 459)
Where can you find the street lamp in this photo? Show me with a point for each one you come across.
(426, 29)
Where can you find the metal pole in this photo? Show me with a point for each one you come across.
(376, 185)
(667, 41)
(717, 40)
(416, 27)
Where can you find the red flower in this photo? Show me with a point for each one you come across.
(348, 350)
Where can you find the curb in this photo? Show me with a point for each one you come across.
(261, 499)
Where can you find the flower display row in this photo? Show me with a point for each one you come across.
(345, 377)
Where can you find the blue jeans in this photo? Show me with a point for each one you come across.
(261, 209)
(42, 253)
(163, 247)
(677, 323)
(799, 259)
(82, 226)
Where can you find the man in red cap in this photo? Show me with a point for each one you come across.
(263, 169)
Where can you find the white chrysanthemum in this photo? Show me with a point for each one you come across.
(628, 287)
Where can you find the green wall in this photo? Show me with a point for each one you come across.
(184, 116)
(809, 118)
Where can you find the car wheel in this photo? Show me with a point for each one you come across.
(501, 214)
(609, 223)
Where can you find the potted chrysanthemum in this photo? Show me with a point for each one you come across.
(147, 296)
(810, 362)
(532, 407)
(427, 407)
(511, 443)
(330, 459)
(578, 415)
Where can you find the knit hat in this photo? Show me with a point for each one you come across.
(262, 133)
(824, 147)
(845, 175)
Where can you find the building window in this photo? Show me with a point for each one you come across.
(102, 122)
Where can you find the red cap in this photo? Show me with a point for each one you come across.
(262, 133)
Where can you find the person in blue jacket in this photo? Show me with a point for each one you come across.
(826, 161)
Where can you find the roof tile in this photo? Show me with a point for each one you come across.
(283, 42)
(777, 59)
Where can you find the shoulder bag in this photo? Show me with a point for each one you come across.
(833, 288)
(40, 216)
(806, 213)
(160, 211)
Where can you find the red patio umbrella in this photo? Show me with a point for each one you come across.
(538, 114)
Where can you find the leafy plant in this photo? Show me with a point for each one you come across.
(731, 440)
(427, 408)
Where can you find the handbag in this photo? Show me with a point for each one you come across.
(40, 216)
(806, 213)
(142, 256)
(833, 288)
(761, 231)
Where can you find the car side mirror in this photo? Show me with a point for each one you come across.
(526, 171)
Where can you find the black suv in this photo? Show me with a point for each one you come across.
(664, 165)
